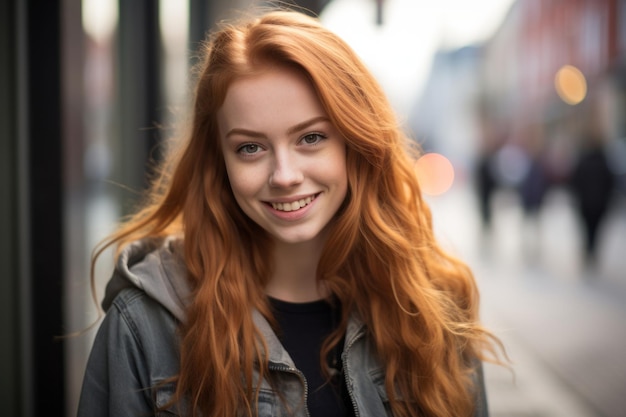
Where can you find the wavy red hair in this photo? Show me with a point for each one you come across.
(382, 259)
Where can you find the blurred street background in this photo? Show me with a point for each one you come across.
(560, 319)
(519, 106)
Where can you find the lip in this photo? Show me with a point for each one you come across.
(292, 199)
(292, 215)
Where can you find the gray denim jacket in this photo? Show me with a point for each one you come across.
(135, 351)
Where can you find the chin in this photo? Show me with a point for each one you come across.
(296, 238)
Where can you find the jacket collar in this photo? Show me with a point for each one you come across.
(277, 353)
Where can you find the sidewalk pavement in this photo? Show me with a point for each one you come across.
(561, 321)
(535, 389)
(529, 389)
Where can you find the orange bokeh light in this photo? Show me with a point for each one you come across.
(434, 173)
(570, 84)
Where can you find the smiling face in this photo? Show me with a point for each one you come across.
(286, 162)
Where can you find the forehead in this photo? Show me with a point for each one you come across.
(276, 94)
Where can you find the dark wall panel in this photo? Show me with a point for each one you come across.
(45, 193)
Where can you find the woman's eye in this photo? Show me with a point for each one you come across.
(313, 138)
(249, 149)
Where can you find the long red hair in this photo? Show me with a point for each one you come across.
(381, 259)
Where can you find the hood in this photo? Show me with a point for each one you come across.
(156, 267)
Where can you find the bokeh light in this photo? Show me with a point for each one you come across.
(570, 84)
(434, 173)
(99, 18)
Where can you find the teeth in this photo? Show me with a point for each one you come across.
(295, 205)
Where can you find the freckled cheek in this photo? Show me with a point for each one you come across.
(334, 169)
(245, 183)
(341, 176)
(332, 172)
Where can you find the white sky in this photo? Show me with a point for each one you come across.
(399, 53)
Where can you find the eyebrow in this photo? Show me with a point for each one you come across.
(291, 130)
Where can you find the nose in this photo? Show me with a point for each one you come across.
(286, 171)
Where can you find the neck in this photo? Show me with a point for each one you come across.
(294, 277)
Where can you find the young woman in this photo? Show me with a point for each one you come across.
(284, 263)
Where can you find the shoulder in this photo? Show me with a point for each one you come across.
(135, 351)
(139, 332)
(131, 300)
(139, 328)
(144, 317)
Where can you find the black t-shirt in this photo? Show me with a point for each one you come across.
(303, 329)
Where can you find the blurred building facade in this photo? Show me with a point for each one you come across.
(522, 110)
(523, 97)
(552, 75)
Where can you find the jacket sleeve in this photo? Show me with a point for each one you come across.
(116, 381)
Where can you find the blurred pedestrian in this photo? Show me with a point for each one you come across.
(486, 183)
(285, 261)
(592, 183)
(532, 189)
(534, 182)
